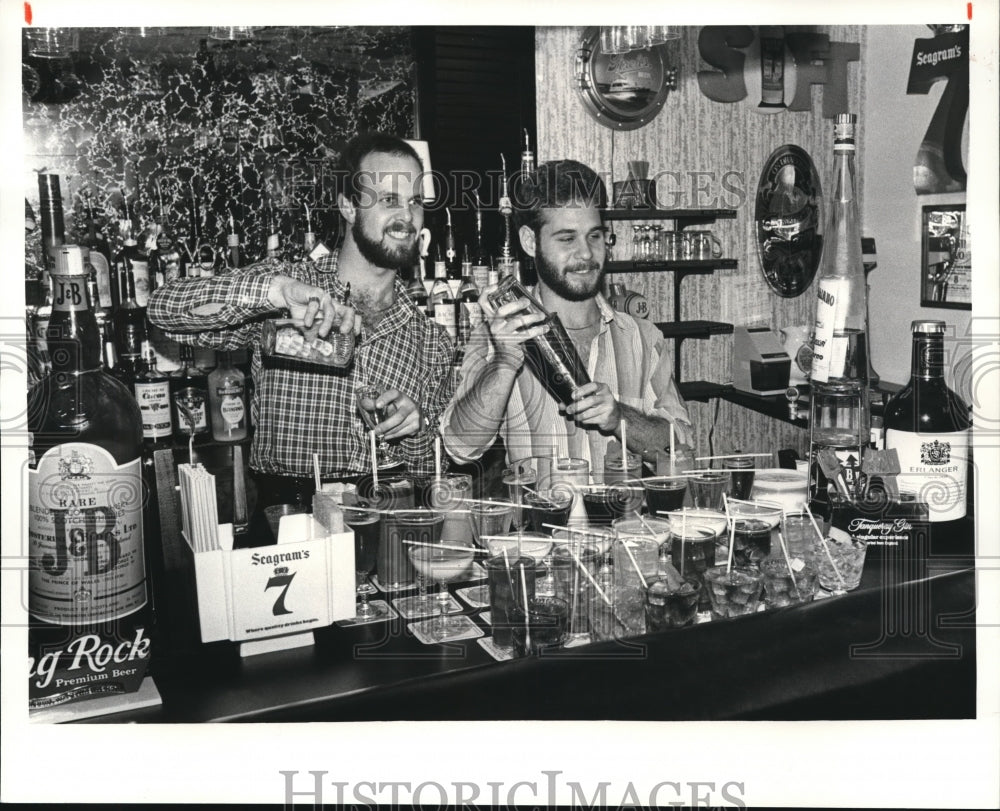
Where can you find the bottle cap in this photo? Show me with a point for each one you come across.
(928, 327)
(69, 261)
(843, 128)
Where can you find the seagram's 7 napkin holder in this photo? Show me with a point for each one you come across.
(273, 597)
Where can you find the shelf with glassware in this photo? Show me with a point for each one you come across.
(679, 329)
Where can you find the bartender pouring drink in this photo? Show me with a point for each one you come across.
(303, 410)
(560, 226)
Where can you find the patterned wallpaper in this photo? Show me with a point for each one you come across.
(176, 116)
(711, 146)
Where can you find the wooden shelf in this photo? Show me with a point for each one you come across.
(693, 329)
(695, 214)
(701, 390)
(684, 265)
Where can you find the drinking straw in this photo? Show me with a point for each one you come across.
(624, 423)
(822, 542)
(590, 577)
(684, 521)
(580, 531)
(635, 564)
(371, 436)
(527, 629)
(729, 456)
(788, 563)
(488, 502)
(732, 534)
(645, 523)
(524, 588)
(316, 472)
(506, 563)
(757, 503)
(671, 449)
(437, 456)
(447, 546)
(538, 495)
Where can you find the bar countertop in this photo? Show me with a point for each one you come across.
(894, 649)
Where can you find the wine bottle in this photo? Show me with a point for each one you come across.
(928, 425)
(189, 399)
(840, 411)
(228, 401)
(88, 594)
(152, 393)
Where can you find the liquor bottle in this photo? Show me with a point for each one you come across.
(470, 313)
(88, 587)
(152, 393)
(130, 328)
(416, 289)
(233, 244)
(166, 260)
(840, 410)
(442, 302)
(135, 261)
(100, 255)
(928, 425)
(272, 234)
(480, 256)
(227, 399)
(505, 263)
(189, 399)
(101, 315)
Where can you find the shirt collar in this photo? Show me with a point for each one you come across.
(402, 301)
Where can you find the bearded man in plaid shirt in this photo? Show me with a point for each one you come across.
(300, 412)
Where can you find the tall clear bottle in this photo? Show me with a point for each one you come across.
(88, 589)
(928, 425)
(840, 413)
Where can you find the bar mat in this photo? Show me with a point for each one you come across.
(391, 589)
(422, 631)
(500, 654)
(475, 596)
(386, 613)
(409, 608)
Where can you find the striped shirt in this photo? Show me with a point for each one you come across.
(627, 354)
(298, 411)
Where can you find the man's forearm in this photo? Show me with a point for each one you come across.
(646, 433)
(477, 413)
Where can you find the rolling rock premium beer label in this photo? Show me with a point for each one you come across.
(87, 568)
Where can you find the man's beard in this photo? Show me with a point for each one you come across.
(380, 254)
(562, 285)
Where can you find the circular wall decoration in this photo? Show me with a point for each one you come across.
(788, 220)
(622, 91)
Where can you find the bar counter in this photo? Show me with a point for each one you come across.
(896, 648)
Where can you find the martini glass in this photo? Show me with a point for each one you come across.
(443, 565)
(366, 395)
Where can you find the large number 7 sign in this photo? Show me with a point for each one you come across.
(938, 166)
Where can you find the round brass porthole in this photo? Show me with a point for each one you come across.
(622, 91)
(789, 220)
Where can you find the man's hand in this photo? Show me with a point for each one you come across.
(404, 417)
(310, 303)
(594, 406)
(511, 326)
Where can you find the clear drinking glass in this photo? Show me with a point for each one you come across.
(443, 565)
(366, 395)
(517, 476)
(366, 525)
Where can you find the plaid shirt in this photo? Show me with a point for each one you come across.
(299, 413)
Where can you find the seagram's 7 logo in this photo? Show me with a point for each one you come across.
(281, 579)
